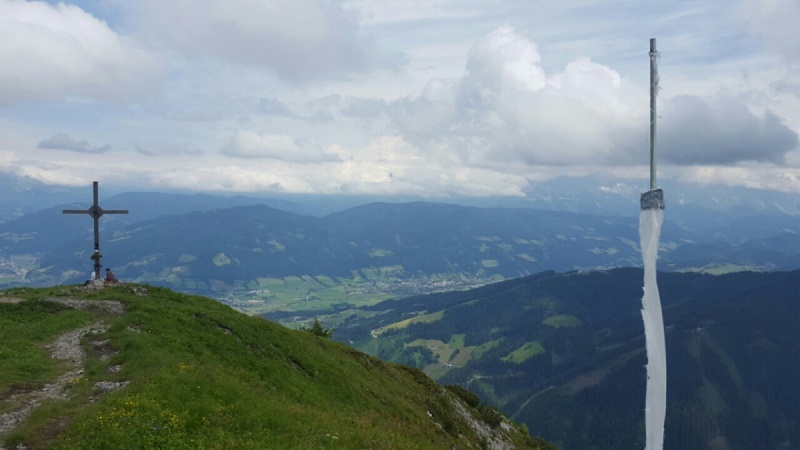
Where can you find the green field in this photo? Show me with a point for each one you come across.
(528, 350)
(301, 293)
(562, 320)
(333, 299)
(422, 318)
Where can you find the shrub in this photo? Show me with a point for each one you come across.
(317, 330)
(490, 415)
(470, 398)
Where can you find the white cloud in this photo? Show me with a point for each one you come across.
(372, 12)
(721, 131)
(7, 160)
(766, 177)
(298, 39)
(504, 60)
(62, 141)
(61, 51)
(249, 144)
(230, 178)
(775, 21)
(53, 173)
(506, 110)
(160, 149)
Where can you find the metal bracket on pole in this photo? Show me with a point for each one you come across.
(653, 199)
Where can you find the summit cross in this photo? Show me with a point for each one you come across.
(95, 211)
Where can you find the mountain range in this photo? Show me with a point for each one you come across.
(194, 243)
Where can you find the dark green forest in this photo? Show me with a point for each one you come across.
(731, 353)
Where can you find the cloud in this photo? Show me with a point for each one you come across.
(365, 108)
(775, 21)
(51, 51)
(504, 60)
(390, 13)
(766, 177)
(298, 39)
(506, 110)
(274, 107)
(384, 166)
(721, 131)
(62, 141)
(249, 144)
(154, 149)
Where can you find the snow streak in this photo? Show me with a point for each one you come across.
(650, 221)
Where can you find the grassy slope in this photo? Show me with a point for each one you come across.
(205, 376)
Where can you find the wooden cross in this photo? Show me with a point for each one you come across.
(95, 212)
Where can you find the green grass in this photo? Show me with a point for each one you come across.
(422, 318)
(203, 375)
(562, 320)
(439, 348)
(457, 341)
(391, 271)
(317, 293)
(221, 260)
(270, 282)
(295, 283)
(485, 347)
(24, 329)
(527, 351)
(370, 273)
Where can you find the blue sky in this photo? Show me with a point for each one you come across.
(414, 97)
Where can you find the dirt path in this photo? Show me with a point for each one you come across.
(67, 348)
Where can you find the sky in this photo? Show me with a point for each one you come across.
(430, 98)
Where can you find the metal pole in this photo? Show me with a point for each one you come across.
(654, 198)
(94, 211)
(653, 115)
(96, 217)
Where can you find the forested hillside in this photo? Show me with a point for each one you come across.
(566, 352)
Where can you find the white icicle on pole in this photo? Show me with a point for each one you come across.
(650, 221)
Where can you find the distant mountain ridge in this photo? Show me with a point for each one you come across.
(710, 228)
(245, 243)
(40, 231)
(24, 195)
(221, 248)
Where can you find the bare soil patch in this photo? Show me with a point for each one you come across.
(106, 306)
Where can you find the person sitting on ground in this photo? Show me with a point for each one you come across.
(110, 278)
(92, 278)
